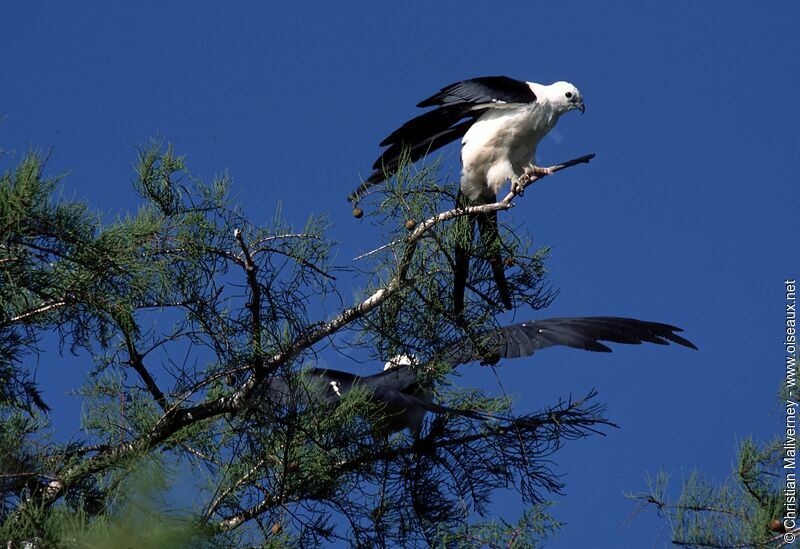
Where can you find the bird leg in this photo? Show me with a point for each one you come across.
(518, 185)
(530, 174)
(490, 235)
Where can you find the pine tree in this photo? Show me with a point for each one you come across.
(749, 509)
(182, 311)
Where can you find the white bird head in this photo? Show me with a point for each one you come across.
(562, 95)
(399, 360)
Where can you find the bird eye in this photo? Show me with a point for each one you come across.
(568, 95)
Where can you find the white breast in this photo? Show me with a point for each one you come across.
(499, 145)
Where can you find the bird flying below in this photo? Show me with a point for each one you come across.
(407, 400)
(500, 122)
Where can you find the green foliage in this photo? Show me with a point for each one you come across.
(419, 319)
(746, 510)
(136, 518)
(736, 513)
(531, 531)
(183, 311)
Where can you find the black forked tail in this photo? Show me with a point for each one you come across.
(490, 236)
(464, 228)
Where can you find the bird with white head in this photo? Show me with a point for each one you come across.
(500, 121)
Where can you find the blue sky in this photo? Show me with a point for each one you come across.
(688, 215)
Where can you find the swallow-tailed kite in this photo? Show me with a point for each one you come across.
(407, 401)
(500, 121)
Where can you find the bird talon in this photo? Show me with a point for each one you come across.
(518, 186)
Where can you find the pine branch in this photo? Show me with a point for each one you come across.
(43, 308)
(177, 254)
(136, 360)
(505, 204)
(254, 304)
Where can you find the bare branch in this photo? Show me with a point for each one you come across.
(37, 311)
(254, 305)
(236, 520)
(136, 360)
(301, 261)
(286, 236)
(506, 203)
(214, 505)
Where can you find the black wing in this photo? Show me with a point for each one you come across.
(275, 390)
(524, 339)
(392, 388)
(396, 399)
(515, 341)
(399, 378)
(330, 386)
(460, 104)
(486, 89)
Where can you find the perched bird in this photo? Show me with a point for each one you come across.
(407, 400)
(500, 121)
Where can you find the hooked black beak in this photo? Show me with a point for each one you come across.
(581, 107)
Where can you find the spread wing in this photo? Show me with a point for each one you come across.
(397, 387)
(482, 91)
(399, 378)
(459, 105)
(524, 339)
